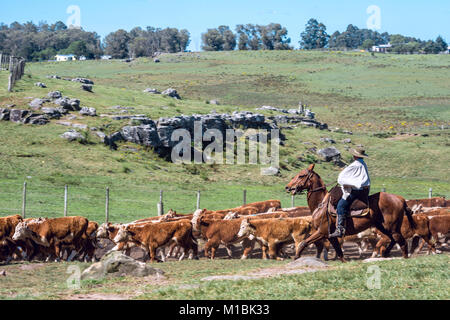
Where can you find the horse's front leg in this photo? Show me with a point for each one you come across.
(316, 236)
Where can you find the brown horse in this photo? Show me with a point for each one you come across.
(386, 214)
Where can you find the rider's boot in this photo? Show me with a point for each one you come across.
(340, 227)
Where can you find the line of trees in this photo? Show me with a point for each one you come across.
(43, 41)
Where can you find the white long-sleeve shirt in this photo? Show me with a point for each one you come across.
(355, 175)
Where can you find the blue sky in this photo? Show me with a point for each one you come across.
(421, 19)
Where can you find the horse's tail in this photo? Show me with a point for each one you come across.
(409, 214)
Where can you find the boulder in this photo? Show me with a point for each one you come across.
(327, 140)
(53, 77)
(171, 93)
(330, 154)
(271, 171)
(37, 119)
(73, 135)
(68, 104)
(87, 87)
(145, 135)
(307, 262)
(214, 102)
(83, 80)
(152, 91)
(86, 111)
(156, 60)
(4, 114)
(40, 85)
(37, 103)
(54, 95)
(17, 115)
(52, 113)
(116, 264)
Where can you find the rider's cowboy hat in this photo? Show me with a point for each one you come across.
(359, 152)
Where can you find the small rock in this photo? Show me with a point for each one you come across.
(327, 140)
(271, 171)
(3, 273)
(156, 60)
(83, 80)
(214, 102)
(85, 111)
(348, 140)
(72, 135)
(40, 85)
(37, 103)
(54, 95)
(171, 93)
(307, 262)
(152, 91)
(87, 87)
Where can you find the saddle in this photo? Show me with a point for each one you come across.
(359, 207)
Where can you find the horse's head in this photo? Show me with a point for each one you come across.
(301, 181)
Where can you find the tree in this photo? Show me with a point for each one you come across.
(314, 36)
(431, 47)
(212, 40)
(116, 44)
(440, 42)
(368, 44)
(78, 48)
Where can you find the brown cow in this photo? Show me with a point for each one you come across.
(7, 228)
(153, 236)
(418, 227)
(274, 233)
(89, 240)
(53, 233)
(219, 232)
(430, 202)
(439, 228)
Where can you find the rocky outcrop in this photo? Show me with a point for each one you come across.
(68, 104)
(159, 134)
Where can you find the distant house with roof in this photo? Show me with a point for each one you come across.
(66, 57)
(383, 48)
(106, 57)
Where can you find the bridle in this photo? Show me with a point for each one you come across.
(308, 179)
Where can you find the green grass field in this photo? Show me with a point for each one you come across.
(423, 278)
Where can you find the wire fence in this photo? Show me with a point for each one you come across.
(15, 66)
(121, 204)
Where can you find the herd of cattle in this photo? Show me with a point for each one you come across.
(264, 223)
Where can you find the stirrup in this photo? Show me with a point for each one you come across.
(338, 233)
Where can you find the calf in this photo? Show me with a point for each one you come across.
(418, 227)
(151, 236)
(220, 232)
(53, 233)
(439, 228)
(273, 233)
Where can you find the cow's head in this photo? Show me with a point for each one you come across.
(231, 216)
(196, 219)
(104, 230)
(122, 235)
(246, 230)
(22, 232)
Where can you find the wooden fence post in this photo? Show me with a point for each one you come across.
(1, 61)
(24, 200)
(245, 197)
(430, 193)
(65, 199)
(198, 199)
(160, 204)
(107, 205)
(293, 201)
(383, 189)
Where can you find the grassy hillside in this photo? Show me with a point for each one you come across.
(375, 97)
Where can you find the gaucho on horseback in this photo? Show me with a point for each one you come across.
(355, 184)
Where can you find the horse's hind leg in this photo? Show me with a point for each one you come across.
(402, 242)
